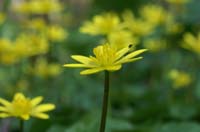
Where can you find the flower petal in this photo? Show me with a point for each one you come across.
(44, 108)
(134, 53)
(128, 60)
(76, 65)
(25, 116)
(91, 71)
(113, 68)
(36, 101)
(122, 52)
(4, 102)
(82, 59)
(130, 56)
(41, 116)
(19, 96)
(3, 109)
(4, 115)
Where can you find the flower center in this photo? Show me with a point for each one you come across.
(21, 106)
(105, 54)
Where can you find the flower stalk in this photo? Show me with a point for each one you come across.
(21, 125)
(105, 103)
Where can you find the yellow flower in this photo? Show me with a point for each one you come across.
(154, 14)
(38, 7)
(5, 45)
(2, 18)
(56, 33)
(155, 45)
(9, 58)
(180, 79)
(101, 24)
(173, 27)
(7, 55)
(37, 44)
(137, 26)
(22, 107)
(37, 24)
(121, 39)
(44, 69)
(106, 58)
(191, 42)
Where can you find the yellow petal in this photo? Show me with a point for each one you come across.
(44, 108)
(121, 53)
(91, 71)
(128, 60)
(3, 109)
(113, 68)
(4, 115)
(130, 56)
(4, 102)
(41, 115)
(36, 101)
(19, 96)
(76, 65)
(82, 59)
(25, 116)
(134, 53)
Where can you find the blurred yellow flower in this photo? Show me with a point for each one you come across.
(106, 58)
(137, 26)
(191, 42)
(9, 58)
(180, 79)
(38, 6)
(7, 55)
(102, 24)
(22, 107)
(154, 14)
(31, 44)
(56, 33)
(36, 24)
(121, 39)
(5, 45)
(155, 45)
(25, 45)
(2, 18)
(44, 69)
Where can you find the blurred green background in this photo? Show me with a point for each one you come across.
(159, 93)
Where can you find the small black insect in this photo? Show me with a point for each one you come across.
(130, 45)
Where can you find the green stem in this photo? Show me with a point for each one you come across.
(21, 125)
(105, 102)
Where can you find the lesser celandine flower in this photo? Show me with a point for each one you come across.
(155, 45)
(44, 69)
(23, 108)
(2, 18)
(139, 27)
(37, 24)
(192, 42)
(106, 58)
(56, 33)
(122, 38)
(102, 24)
(154, 14)
(180, 79)
(38, 7)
